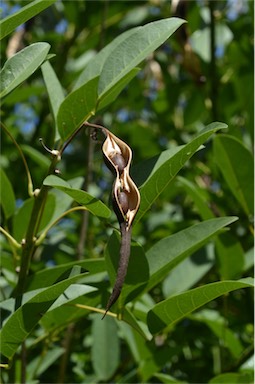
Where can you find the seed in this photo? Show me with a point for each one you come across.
(119, 161)
(123, 201)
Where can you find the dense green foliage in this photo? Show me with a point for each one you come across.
(176, 84)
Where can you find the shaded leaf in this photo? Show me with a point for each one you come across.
(233, 378)
(218, 325)
(105, 347)
(40, 159)
(20, 66)
(236, 164)
(7, 197)
(169, 311)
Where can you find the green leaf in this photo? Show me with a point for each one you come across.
(61, 316)
(138, 271)
(157, 173)
(7, 197)
(186, 274)
(19, 325)
(170, 251)
(172, 310)
(20, 66)
(235, 162)
(218, 325)
(105, 351)
(92, 204)
(233, 378)
(54, 89)
(10, 23)
(112, 94)
(40, 159)
(198, 195)
(230, 256)
(134, 49)
(94, 67)
(50, 276)
(77, 107)
(167, 379)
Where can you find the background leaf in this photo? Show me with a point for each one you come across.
(105, 348)
(236, 164)
(7, 197)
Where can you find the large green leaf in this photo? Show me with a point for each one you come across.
(10, 23)
(169, 311)
(54, 89)
(170, 251)
(134, 49)
(105, 351)
(156, 174)
(18, 326)
(7, 197)
(94, 67)
(235, 162)
(77, 107)
(20, 66)
(92, 204)
(111, 95)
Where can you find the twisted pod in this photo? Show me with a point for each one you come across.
(125, 200)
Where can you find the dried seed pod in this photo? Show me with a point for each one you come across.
(119, 154)
(126, 200)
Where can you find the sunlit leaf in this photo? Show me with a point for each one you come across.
(92, 204)
(22, 65)
(19, 325)
(10, 23)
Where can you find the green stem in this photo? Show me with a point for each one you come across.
(30, 239)
(213, 69)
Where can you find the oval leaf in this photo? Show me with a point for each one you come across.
(169, 311)
(134, 49)
(20, 66)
